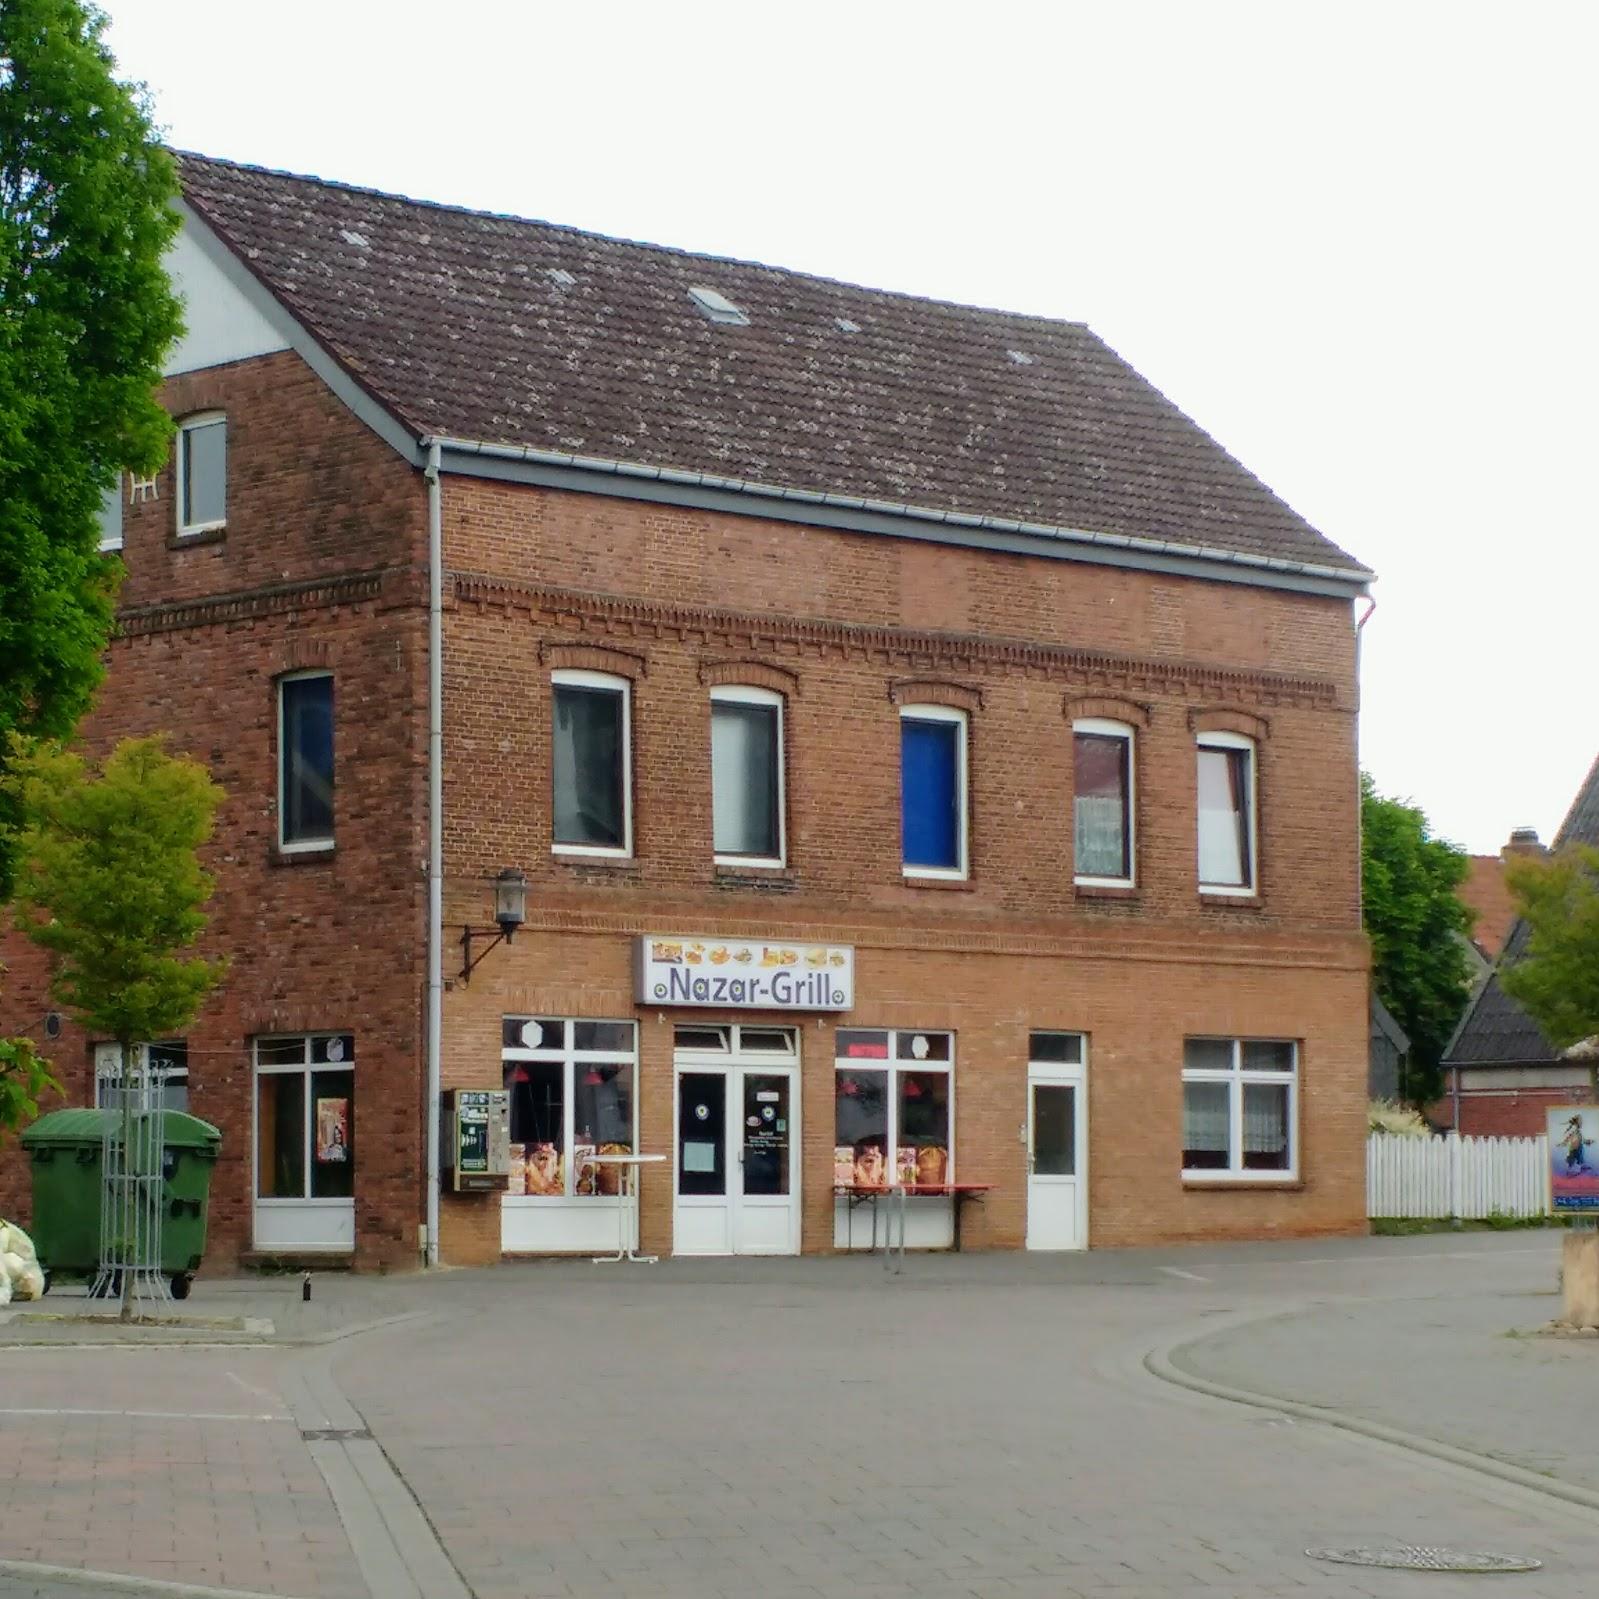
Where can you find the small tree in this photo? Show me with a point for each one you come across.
(1556, 981)
(109, 882)
(1418, 927)
(86, 318)
(24, 1080)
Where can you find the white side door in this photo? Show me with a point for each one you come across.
(766, 1178)
(1057, 1181)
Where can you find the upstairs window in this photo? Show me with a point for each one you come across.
(933, 791)
(1226, 814)
(1102, 802)
(202, 473)
(747, 776)
(305, 761)
(592, 783)
(111, 517)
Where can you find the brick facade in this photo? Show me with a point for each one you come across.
(323, 564)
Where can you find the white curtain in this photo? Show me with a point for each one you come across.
(743, 779)
(1223, 817)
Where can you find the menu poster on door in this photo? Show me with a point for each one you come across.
(751, 973)
(1574, 1158)
(332, 1130)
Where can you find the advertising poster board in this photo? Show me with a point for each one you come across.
(1574, 1159)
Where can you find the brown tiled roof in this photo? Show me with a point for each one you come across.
(1498, 1032)
(506, 331)
(1486, 892)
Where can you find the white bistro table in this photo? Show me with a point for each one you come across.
(626, 1204)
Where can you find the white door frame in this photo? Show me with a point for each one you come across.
(733, 1068)
(1075, 1077)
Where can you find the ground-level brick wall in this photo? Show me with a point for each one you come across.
(1135, 999)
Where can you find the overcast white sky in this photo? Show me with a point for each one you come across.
(1355, 241)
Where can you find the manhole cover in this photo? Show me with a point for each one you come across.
(1427, 1557)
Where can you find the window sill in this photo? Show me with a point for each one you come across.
(616, 867)
(1111, 891)
(1233, 1184)
(278, 856)
(1222, 900)
(961, 885)
(199, 535)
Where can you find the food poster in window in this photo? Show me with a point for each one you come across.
(932, 1166)
(602, 1119)
(905, 1164)
(1574, 1158)
(544, 1169)
(332, 1131)
(516, 1168)
(860, 1143)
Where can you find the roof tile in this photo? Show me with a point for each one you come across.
(464, 324)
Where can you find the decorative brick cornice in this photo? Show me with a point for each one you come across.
(275, 599)
(923, 653)
(1107, 707)
(1228, 719)
(593, 658)
(750, 674)
(935, 691)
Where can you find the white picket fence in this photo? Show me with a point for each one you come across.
(1453, 1176)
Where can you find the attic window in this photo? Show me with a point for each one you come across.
(560, 276)
(358, 240)
(844, 325)
(717, 306)
(1022, 358)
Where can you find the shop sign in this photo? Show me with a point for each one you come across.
(1574, 1158)
(751, 974)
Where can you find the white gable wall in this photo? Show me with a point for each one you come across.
(221, 325)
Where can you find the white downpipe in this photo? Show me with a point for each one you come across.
(435, 838)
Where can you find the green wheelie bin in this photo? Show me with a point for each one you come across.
(64, 1148)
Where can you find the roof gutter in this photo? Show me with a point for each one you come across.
(556, 468)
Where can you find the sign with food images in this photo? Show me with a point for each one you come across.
(753, 974)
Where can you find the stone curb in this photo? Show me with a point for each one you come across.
(113, 1582)
(1161, 1362)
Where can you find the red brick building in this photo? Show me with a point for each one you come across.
(930, 756)
(1501, 1075)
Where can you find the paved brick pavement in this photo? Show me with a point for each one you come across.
(980, 1426)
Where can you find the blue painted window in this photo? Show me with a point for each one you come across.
(930, 793)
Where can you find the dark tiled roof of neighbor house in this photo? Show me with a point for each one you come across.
(495, 329)
(1498, 1032)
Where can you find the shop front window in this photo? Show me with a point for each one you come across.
(571, 1088)
(305, 1117)
(893, 1109)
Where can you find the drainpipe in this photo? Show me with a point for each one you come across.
(435, 837)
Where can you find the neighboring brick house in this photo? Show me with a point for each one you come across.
(1487, 894)
(928, 752)
(1500, 1073)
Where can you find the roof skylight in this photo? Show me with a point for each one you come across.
(717, 306)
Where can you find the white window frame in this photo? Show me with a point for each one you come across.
(571, 1060)
(939, 713)
(571, 677)
(111, 518)
(306, 1068)
(1100, 727)
(1236, 1077)
(191, 424)
(307, 846)
(1233, 741)
(900, 1058)
(108, 1072)
(740, 694)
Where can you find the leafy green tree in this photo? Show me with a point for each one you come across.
(1418, 927)
(1556, 980)
(86, 317)
(108, 880)
(24, 1080)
